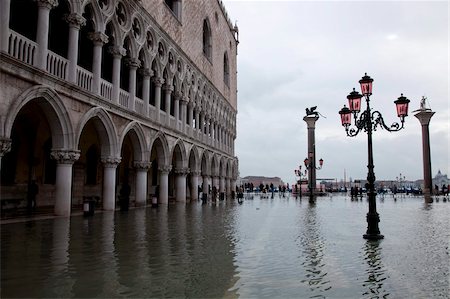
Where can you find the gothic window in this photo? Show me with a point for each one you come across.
(207, 42)
(136, 29)
(121, 14)
(226, 69)
(175, 7)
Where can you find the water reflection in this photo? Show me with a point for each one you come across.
(313, 247)
(375, 271)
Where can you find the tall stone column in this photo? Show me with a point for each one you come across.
(206, 183)
(311, 125)
(5, 7)
(183, 102)
(109, 182)
(5, 147)
(142, 168)
(117, 53)
(176, 109)
(133, 64)
(164, 183)
(44, 7)
(181, 174)
(158, 83)
(75, 22)
(63, 186)
(168, 91)
(424, 116)
(228, 187)
(98, 39)
(194, 185)
(146, 74)
(221, 184)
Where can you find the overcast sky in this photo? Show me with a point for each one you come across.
(297, 54)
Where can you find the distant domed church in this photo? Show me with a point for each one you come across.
(440, 179)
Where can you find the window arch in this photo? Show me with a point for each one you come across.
(207, 40)
(226, 69)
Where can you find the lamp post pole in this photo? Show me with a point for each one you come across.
(368, 122)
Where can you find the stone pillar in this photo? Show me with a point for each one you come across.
(75, 22)
(5, 147)
(424, 116)
(201, 122)
(63, 186)
(194, 185)
(228, 187)
(5, 6)
(109, 182)
(206, 184)
(311, 125)
(197, 118)
(176, 110)
(44, 7)
(164, 183)
(133, 64)
(98, 39)
(158, 83)
(142, 168)
(184, 102)
(146, 74)
(222, 184)
(168, 91)
(117, 53)
(180, 183)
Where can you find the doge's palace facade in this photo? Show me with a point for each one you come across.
(97, 95)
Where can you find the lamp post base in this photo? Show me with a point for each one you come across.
(373, 232)
(373, 236)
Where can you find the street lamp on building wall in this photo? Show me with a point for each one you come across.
(368, 121)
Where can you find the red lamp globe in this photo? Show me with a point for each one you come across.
(354, 101)
(346, 116)
(366, 85)
(402, 106)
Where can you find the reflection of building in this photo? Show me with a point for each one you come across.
(98, 93)
(440, 179)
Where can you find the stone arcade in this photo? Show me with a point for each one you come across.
(98, 93)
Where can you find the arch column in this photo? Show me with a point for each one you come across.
(44, 7)
(183, 102)
(164, 183)
(5, 7)
(5, 147)
(142, 168)
(158, 84)
(221, 184)
(197, 119)
(63, 186)
(109, 182)
(181, 183)
(228, 186)
(146, 74)
(176, 109)
(194, 185)
(75, 22)
(133, 64)
(206, 183)
(98, 39)
(168, 91)
(117, 52)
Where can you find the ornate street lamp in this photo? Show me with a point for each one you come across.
(309, 166)
(368, 122)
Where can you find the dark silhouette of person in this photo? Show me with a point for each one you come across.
(33, 190)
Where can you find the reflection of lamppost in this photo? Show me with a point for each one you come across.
(368, 122)
(310, 164)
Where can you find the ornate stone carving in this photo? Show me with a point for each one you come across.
(146, 72)
(178, 95)
(65, 156)
(142, 165)
(5, 146)
(133, 62)
(165, 169)
(75, 20)
(182, 171)
(158, 81)
(47, 3)
(195, 172)
(98, 38)
(117, 51)
(111, 162)
(168, 88)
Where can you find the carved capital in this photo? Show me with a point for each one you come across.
(5, 146)
(98, 38)
(133, 62)
(158, 81)
(75, 20)
(142, 165)
(146, 72)
(65, 156)
(195, 173)
(111, 162)
(165, 169)
(117, 51)
(168, 88)
(182, 171)
(47, 3)
(178, 95)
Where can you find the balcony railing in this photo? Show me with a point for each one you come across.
(21, 48)
(84, 78)
(57, 65)
(106, 90)
(123, 98)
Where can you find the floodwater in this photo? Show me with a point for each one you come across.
(263, 248)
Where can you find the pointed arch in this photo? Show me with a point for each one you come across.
(162, 148)
(53, 108)
(106, 129)
(138, 140)
(180, 151)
